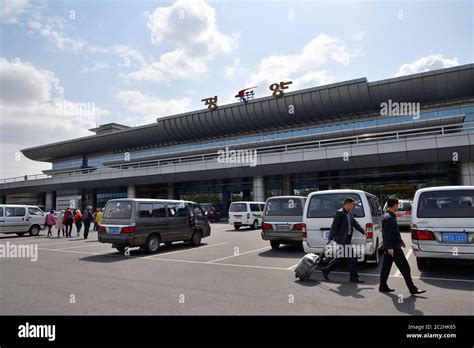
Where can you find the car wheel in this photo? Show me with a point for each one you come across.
(274, 244)
(20, 234)
(152, 244)
(236, 227)
(34, 231)
(168, 244)
(255, 225)
(422, 263)
(196, 238)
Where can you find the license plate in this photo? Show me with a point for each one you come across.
(114, 230)
(325, 234)
(282, 227)
(237, 217)
(454, 237)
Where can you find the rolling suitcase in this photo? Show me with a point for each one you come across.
(307, 265)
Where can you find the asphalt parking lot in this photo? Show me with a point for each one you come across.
(232, 272)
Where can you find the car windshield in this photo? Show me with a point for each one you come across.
(238, 207)
(118, 210)
(284, 207)
(446, 204)
(326, 205)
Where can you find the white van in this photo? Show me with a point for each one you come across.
(21, 219)
(246, 214)
(318, 216)
(443, 224)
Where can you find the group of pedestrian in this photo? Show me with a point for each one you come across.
(65, 219)
(341, 232)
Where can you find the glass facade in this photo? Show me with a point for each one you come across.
(97, 161)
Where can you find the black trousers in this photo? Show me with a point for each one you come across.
(351, 263)
(68, 228)
(87, 226)
(402, 264)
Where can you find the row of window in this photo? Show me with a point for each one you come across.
(20, 212)
(381, 121)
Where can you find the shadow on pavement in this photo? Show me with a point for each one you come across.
(405, 304)
(286, 251)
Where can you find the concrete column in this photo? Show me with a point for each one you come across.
(259, 189)
(131, 191)
(287, 186)
(466, 173)
(92, 198)
(3, 199)
(48, 201)
(170, 190)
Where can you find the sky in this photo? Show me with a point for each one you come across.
(68, 66)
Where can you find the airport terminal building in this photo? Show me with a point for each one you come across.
(387, 137)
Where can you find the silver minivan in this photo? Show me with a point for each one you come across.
(443, 224)
(21, 219)
(283, 220)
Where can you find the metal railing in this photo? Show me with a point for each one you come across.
(310, 144)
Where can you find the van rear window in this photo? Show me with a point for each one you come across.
(284, 207)
(326, 205)
(238, 207)
(118, 210)
(446, 204)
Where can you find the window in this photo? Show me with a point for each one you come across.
(172, 210)
(446, 204)
(14, 211)
(326, 205)
(284, 207)
(35, 211)
(262, 207)
(1, 212)
(197, 210)
(118, 210)
(254, 207)
(182, 210)
(160, 210)
(145, 210)
(238, 207)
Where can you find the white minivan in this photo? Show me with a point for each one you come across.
(443, 224)
(246, 214)
(21, 219)
(319, 211)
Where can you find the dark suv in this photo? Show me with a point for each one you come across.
(213, 212)
(146, 223)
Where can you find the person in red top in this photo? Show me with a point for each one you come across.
(49, 222)
(67, 221)
(78, 221)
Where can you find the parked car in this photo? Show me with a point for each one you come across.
(246, 214)
(404, 211)
(283, 220)
(319, 213)
(21, 219)
(212, 211)
(147, 223)
(443, 224)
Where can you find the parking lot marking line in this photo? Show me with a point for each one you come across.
(239, 254)
(407, 256)
(189, 249)
(240, 265)
(85, 246)
(292, 267)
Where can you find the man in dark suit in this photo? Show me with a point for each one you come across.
(341, 232)
(393, 244)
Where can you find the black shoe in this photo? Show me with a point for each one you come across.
(325, 274)
(417, 292)
(385, 289)
(356, 280)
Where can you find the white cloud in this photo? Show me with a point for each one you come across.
(95, 67)
(302, 67)
(313, 78)
(147, 108)
(12, 9)
(33, 113)
(431, 62)
(191, 27)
